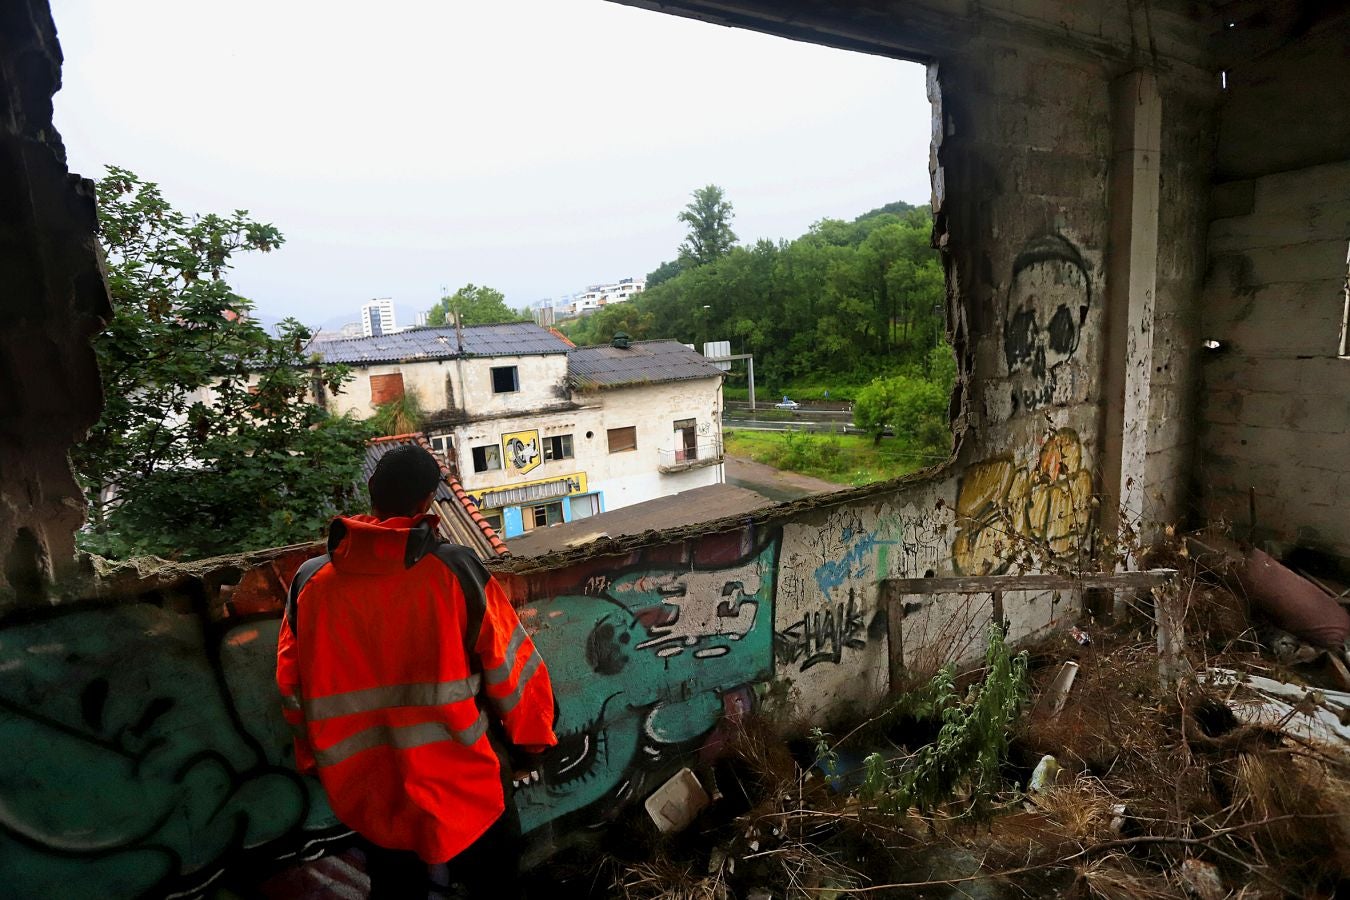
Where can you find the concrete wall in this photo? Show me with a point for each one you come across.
(54, 299)
(1276, 399)
(454, 387)
(147, 748)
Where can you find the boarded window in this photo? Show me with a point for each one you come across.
(504, 380)
(385, 388)
(621, 439)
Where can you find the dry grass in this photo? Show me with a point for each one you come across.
(1269, 815)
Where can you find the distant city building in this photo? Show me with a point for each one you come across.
(377, 318)
(420, 319)
(598, 295)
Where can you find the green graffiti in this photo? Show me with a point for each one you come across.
(642, 667)
(124, 769)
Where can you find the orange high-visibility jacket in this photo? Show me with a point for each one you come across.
(393, 650)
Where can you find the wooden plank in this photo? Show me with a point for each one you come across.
(894, 636)
(987, 584)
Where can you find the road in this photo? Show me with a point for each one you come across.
(774, 483)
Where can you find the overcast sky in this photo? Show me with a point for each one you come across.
(531, 145)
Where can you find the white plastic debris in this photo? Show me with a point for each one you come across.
(1044, 775)
(1057, 694)
(675, 804)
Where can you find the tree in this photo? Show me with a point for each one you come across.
(474, 305)
(710, 236)
(914, 407)
(664, 272)
(208, 442)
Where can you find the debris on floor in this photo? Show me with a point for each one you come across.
(1064, 770)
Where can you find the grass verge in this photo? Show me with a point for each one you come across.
(839, 458)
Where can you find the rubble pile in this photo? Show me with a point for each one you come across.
(1111, 782)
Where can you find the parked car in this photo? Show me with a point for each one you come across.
(785, 403)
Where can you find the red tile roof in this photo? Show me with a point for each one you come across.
(461, 520)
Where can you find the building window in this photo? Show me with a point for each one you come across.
(504, 380)
(494, 519)
(487, 457)
(686, 440)
(558, 447)
(541, 516)
(622, 439)
(385, 388)
(443, 444)
(585, 506)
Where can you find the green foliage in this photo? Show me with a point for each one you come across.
(664, 272)
(910, 406)
(600, 326)
(970, 746)
(475, 305)
(841, 305)
(401, 416)
(710, 237)
(207, 443)
(843, 459)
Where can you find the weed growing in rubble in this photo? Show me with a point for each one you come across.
(969, 747)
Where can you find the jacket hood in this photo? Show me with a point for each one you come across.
(365, 545)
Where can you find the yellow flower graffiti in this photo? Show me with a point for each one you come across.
(1003, 506)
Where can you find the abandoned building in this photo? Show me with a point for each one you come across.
(539, 431)
(1143, 210)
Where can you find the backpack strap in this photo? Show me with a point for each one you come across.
(468, 571)
(302, 575)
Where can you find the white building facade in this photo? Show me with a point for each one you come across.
(540, 432)
(377, 318)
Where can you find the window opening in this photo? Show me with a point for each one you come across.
(585, 506)
(622, 439)
(542, 516)
(494, 519)
(686, 440)
(504, 380)
(487, 457)
(558, 447)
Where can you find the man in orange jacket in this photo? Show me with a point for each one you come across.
(391, 646)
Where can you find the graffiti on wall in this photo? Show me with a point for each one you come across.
(1048, 303)
(144, 752)
(825, 608)
(1007, 511)
(645, 664)
(521, 451)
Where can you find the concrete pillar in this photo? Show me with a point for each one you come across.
(1131, 284)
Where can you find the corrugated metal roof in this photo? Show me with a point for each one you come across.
(461, 521)
(642, 362)
(510, 339)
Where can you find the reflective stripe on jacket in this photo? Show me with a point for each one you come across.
(393, 652)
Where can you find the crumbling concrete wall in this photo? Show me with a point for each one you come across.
(152, 754)
(54, 298)
(1276, 400)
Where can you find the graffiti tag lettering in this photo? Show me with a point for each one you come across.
(822, 635)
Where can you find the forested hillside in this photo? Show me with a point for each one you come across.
(845, 303)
